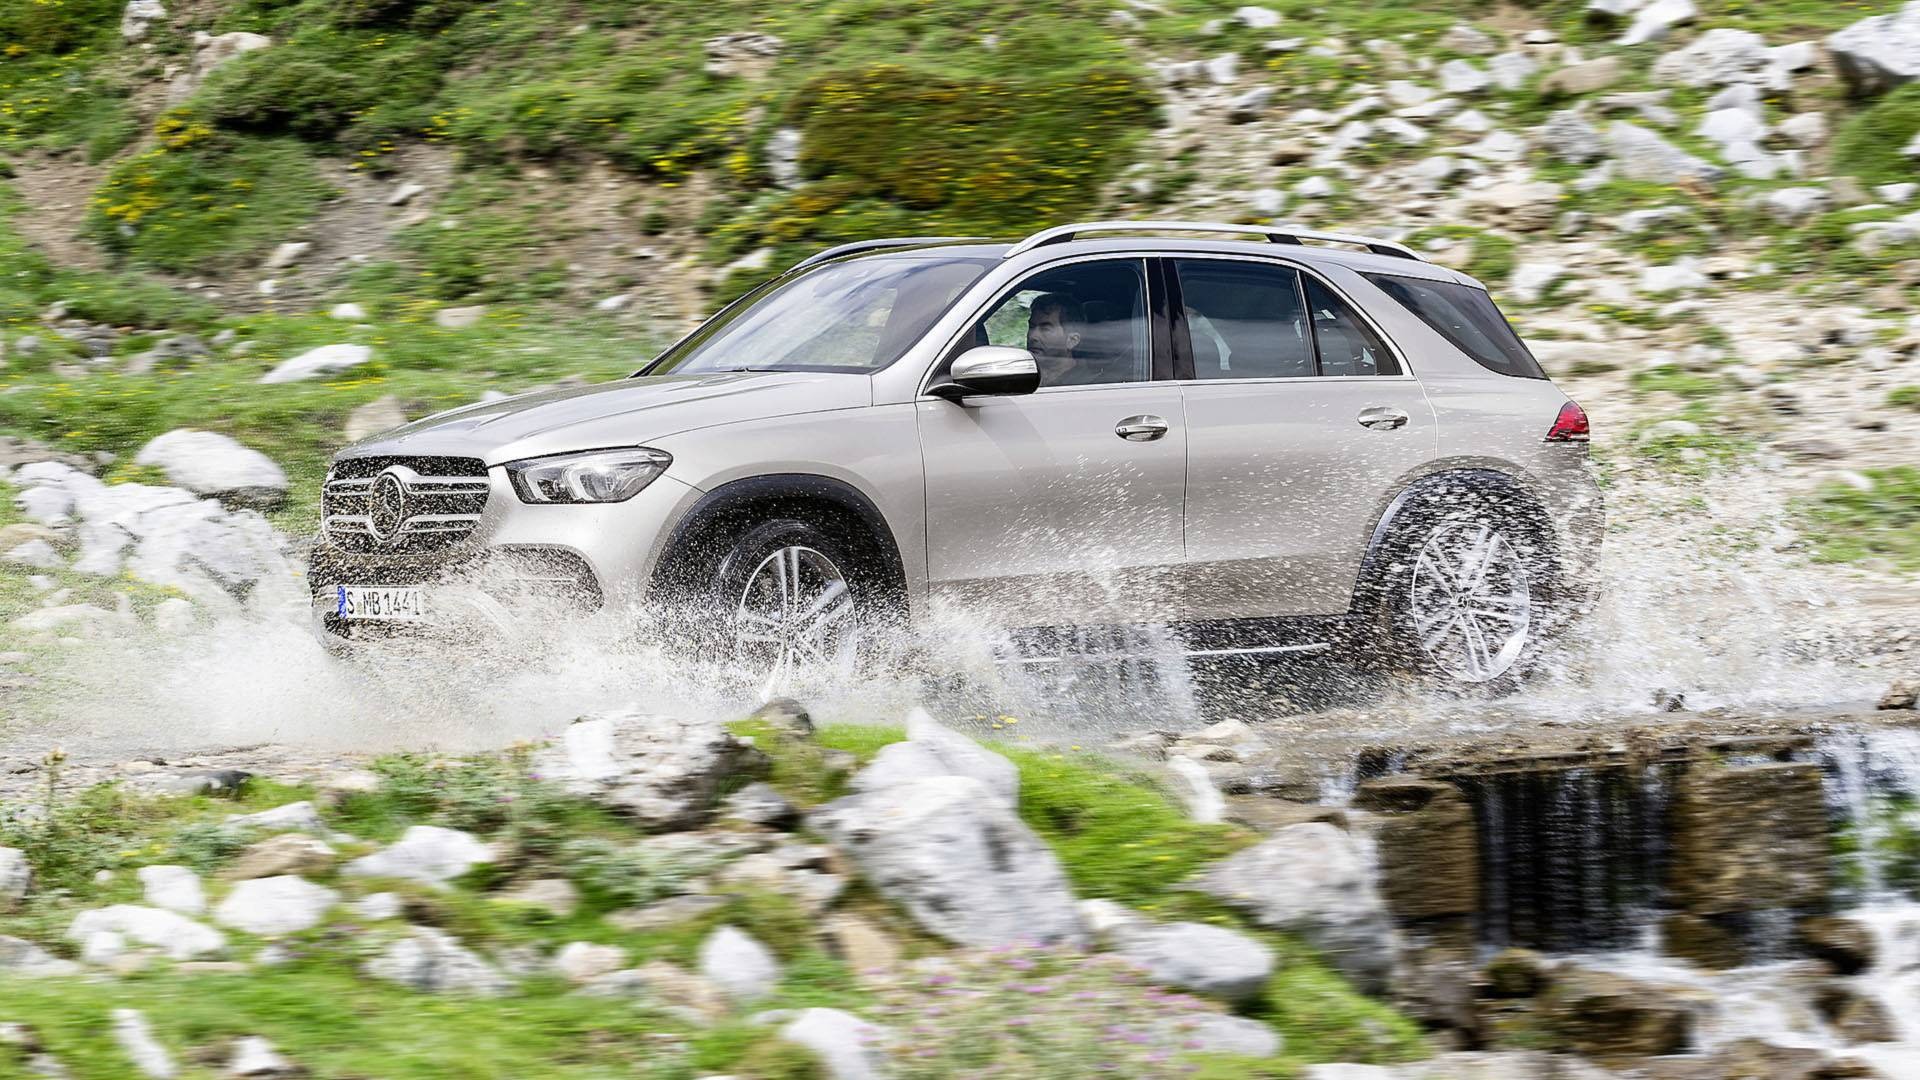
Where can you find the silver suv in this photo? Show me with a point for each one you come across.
(1270, 442)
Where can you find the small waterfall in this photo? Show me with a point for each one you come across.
(1570, 859)
(1204, 802)
(1868, 773)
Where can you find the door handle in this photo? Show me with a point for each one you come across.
(1382, 418)
(1143, 428)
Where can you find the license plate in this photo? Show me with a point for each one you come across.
(378, 603)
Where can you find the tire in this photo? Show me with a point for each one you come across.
(1463, 595)
(778, 606)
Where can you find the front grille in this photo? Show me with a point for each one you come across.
(403, 505)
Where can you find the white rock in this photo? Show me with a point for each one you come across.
(173, 616)
(19, 957)
(433, 961)
(175, 888)
(958, 860)
(294, 816)
(16, 877)
(1223, 69)
(1314, 187)
(662, 770)
(275, 906)
(1317, 881)
(934, 750)
(1463, 77)
(1236, 1035)
(1643, 155)
(382, 414)
(103, 948)
(179, 937)
(1790, 206)
(382, 905)
(347, 312)
(1805, 130)
(211, 464)
(1897, 193)
(130, 1030)
(325, 360)
(1257, 18)
(583, 961)
(741, 967)
(139, 16)
(406, 193)
(1877, 54)
(1511, 70)
(1676, 277)
(1400, 93)
(1209, 960)
(1531, 280)
(848, 1047)
(428, 854)
(459, 318)
(1652, 22)
(287, 254)
(36, 555)
(614, 302)
(783, 156)
(255, 1056)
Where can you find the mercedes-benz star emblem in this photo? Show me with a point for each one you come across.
(387, 509)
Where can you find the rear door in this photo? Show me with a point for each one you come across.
(1301, 421)
(1063, 506)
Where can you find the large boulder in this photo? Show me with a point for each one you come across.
(434, 962)
(958, 860)
(1877, 54)
(1722, 56)
(215, 465)
(179, 937)
(1317, 881)
(275, 906)
(934, 750)
(663, 771)
(427, 854)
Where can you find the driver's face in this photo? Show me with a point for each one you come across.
(1048, 336)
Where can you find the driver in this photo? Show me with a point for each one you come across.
(1055, 324)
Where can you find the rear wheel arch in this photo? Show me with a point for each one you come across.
(1429, 495)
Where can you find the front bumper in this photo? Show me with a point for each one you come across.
(578, 558)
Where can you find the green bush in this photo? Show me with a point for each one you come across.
(204, 200)
(1869, 144)
(265, 92)
(52, 27)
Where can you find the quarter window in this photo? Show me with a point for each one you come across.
(1348, 346)
(1085, 323)
(1467, 317)
(1245, 320)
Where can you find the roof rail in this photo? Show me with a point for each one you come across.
(1279, 234)
(878, 245)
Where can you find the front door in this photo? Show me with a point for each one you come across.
(1301, 422)
(1063, 506)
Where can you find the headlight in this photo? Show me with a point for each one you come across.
(598, 476)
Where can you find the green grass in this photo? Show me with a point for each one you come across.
(205, 200)
(1904, 397)
(1882, 525)
(1490, 256)
(1678, 381)
(1868, 143)
(1323, 1019)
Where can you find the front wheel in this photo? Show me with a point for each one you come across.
(787, 609)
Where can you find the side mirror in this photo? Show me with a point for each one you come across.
(989, 369)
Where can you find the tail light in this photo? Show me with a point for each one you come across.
(1570, 425)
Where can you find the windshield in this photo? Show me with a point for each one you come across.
(858, 315)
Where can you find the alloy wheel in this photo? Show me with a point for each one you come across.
(796, 621)
(1472, 602)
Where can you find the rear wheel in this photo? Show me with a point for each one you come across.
(1463, 597)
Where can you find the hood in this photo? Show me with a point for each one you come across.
(629, 412)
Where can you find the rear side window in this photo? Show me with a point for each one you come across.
(1246, 320)
(1465, 316)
